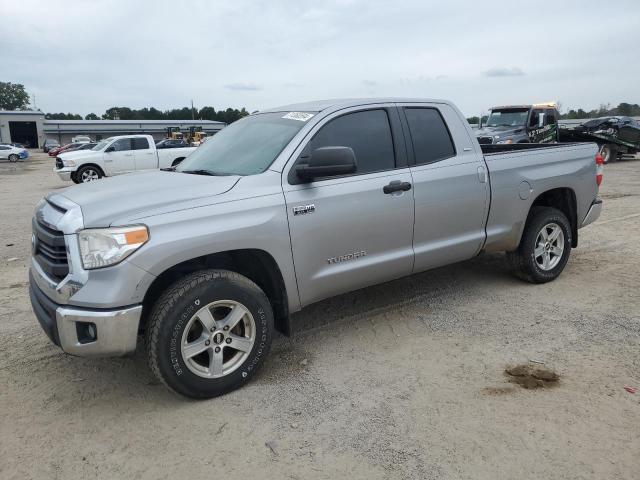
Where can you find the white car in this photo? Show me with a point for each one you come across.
(117, 155)
(81, 139)
(11, 153)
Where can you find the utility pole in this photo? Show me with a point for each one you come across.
(192, 114)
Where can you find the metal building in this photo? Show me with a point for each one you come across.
(31, 128)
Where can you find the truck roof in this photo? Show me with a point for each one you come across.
(531, 105)
(320, 105)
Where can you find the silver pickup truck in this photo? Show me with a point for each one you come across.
(284, 208)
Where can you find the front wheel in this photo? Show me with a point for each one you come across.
(544, 248)
(13, 158)
(208, 333)
(88, 173)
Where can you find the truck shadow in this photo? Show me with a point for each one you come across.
(447, 283)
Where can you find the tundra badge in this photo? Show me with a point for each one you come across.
(304, 209)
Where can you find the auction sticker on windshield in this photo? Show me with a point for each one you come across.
(302, 116)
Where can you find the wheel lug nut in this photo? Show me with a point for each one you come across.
(226, 327)
(207, 343)
(228, 340)
(217, 349)
(212, 330)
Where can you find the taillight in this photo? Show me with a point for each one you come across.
(599, 168)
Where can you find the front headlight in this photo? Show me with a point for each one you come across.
(68, 163)
(102, 247)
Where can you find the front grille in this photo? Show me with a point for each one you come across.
(59, 163)
(50, 250)
(485, 140)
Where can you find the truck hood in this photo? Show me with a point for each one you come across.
(502, 131)
(75, 154)
(116, 200)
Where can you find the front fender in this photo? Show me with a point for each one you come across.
(258, 223)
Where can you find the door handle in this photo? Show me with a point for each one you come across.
(482, 175)
(396, 186)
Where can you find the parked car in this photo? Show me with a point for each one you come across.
(537, 123)
(49, 143)
(117, 155)
(70, 147)
(615, 135)
(171, 143)
(284, 208)
(81, 139)
(13, 154)
(79, 146)
(60, 148)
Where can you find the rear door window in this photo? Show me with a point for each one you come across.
(140, 143)
(430, 136)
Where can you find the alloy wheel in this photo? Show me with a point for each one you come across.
(549, 246)
(218, 339)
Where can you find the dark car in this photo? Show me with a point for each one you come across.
(79, 146)
(615, 135)
(171, 143)
(49, 143)
(56, 151)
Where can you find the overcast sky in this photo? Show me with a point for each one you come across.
(86, 56)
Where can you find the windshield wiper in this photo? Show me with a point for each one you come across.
(203, 171)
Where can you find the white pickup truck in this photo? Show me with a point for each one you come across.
(117, 155)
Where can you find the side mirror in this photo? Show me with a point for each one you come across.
(541, 120)
(110, 149)
(327, 162)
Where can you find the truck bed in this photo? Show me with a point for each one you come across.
(520, 172)
(491, 149)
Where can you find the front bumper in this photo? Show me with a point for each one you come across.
(116, 331)
(64, 173)
(593, 213)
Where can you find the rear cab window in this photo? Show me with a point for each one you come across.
(140, 143)
(430, 136)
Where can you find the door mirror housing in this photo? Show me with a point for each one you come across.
(327, 162)
(110, 149)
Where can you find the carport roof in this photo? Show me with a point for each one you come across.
(21, 112)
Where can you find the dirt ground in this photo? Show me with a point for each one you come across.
(402, 380)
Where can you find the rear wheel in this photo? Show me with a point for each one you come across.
(88, 173)
(208, 333)
(13, 158)
(545, 246)
(609, 152)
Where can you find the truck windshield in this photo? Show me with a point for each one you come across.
(246, 147)
(507, 118)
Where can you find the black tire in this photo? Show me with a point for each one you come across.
(609, 152)
(523, 260)
(171, 315)
(86, 170)
(13, 158)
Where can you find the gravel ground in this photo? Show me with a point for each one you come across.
(402, 380)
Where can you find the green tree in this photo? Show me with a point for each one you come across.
(62, 116)
(92, 116)
(13, 96)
